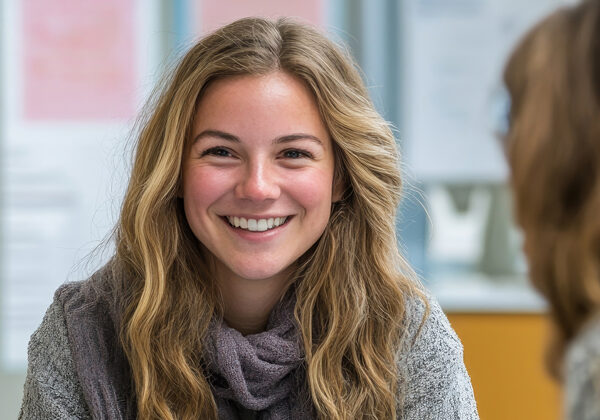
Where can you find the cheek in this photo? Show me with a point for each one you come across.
(313, 190)
(203, 186)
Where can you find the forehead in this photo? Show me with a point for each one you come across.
(272, 85)
(274, 104)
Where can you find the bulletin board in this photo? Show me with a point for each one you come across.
(74, 74)
(455, 51)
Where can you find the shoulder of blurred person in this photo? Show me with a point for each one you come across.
(582, 373)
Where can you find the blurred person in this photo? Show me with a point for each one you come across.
(256, 272)
(553, 149)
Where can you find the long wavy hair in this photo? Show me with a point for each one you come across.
(553, 148)
(351, 286)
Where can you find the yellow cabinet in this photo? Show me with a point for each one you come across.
(504, 354)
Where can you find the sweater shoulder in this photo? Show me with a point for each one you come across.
(85, 294)
(86, 361)
(427, 327)
(433, 379)
(52, 388)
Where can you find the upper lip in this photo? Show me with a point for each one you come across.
(265, 216)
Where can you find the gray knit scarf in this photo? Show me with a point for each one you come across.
(259, 376)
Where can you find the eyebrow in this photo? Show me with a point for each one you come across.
(283, 139)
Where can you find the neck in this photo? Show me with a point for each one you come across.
(248, 303)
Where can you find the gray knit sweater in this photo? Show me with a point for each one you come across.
(435, 385)
(582, 374)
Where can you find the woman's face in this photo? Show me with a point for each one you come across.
(258, 176)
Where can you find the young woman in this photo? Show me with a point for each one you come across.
(553, 148)
(256, 272)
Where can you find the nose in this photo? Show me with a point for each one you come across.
(259, 183)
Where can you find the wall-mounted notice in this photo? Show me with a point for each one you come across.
(454, 55)
(79, 59)
(213, 14)
(73, 73)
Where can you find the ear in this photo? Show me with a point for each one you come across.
(340, 178)
(179, 188)
(339, 186)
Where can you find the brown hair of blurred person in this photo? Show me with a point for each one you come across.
(553, 148)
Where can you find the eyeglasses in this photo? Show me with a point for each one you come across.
(500, 112)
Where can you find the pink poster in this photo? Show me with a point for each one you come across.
(215, 13)
(79, 59)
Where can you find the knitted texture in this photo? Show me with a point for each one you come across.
(582, 379)
(62, 384)
(434, 383)
(52, 390)
(259, 372)
(99, 359)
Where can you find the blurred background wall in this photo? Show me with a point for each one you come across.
(75, 73)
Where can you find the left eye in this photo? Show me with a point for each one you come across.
(295, 154)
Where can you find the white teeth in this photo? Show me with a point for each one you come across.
(256, 225)
(262, 225)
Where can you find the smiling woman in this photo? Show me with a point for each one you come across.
(256, 272)
(271, 168)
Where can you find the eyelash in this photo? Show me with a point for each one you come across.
(301, 153)
(224, 152)
(215, 151)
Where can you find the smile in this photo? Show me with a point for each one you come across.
(256, 225)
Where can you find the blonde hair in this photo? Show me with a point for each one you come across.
(553, 149)
(351, 285)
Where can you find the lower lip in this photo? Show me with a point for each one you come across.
(258, 236)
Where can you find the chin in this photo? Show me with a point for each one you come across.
(258, 273)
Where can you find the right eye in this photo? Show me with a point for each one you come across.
(217, 151)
